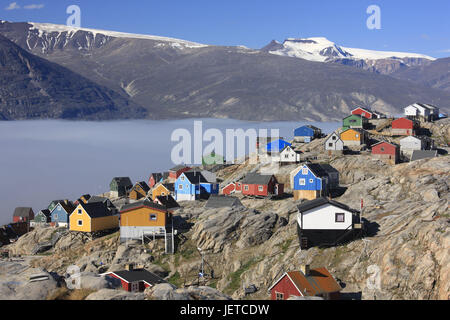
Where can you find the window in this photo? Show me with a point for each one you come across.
(330, 144)
(163, 193)
(305, 171)
(80, 211)
(80, 223)
(363, 114)
(333, 137)
(55, 217)
(340, 217)
(182, 178)
(153, 217)
(246, 187)
(311, 180)
(382, 149)
(279, 296)
(180, 187)
(260, 188)
(302, 182)
(357, 135)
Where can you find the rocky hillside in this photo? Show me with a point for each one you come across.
(31, 87)
(406, 212)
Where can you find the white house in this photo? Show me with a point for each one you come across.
(289, 155)
(326, 222)
(423, 111)
(334, 143)
(411, 143)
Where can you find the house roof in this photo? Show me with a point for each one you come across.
(67, 206)
(423, 154)
(256, 178)
(138, 275)
(45, 212)
(220, 201)
(143, 185)
(317, 169)
(157, 176)
(355, 129)
(354, 115)
(311, 204)
(317, 282)
(296, 151)
(364, 109)
(328, 168)
(95, 199)
(96, 209)
(169, 186)
(143, 203)
(23, 212)
(178, 167)
(168, 201)
(195, 177)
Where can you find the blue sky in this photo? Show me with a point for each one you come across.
(411, 26)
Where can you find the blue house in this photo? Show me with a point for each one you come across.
(192, 185)
(277, 145)
(61, 212)
(310, 181)
(307, 133)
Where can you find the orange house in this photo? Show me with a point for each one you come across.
(353, 137)
(144, 218)
(162, 189)
(139, 191)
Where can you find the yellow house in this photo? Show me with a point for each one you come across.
(92, 217)
(144, 218)
(162, 189)
(353, 137)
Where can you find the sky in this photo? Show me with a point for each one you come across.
(406, 25)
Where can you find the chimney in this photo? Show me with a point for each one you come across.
(305, 268)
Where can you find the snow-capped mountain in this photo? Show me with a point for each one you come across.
(323, 50)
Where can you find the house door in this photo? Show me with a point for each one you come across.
(275, 190)
(135, 287)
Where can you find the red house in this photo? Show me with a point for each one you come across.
(175, 172)
(234, 187)
(135, 280)
(368, 114)
(154, 179)
(306, 283)
(404, 127)
(386, 151)
(255, 184)
(23, 215)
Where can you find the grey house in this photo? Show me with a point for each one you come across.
(120, 186)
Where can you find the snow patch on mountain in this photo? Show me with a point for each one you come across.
(323, 50)
(47, 28)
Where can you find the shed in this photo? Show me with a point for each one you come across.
(386, 151)
(120, 186)
(423, 154)
(135, 280)
(23, 214)
(404, 127)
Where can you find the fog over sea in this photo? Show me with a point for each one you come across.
(46, 160)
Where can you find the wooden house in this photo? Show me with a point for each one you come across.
(42, 217)
(154, 179)
(364, 112)
(306, 282)
(307, 133)
(255, 184)
(386, 151)
(135, 280)
(276, 146)
(422, 111)
(167, 201)
(221, 201)
(192, 185)
(289, 155)
(163, 189)
(176, 171)
(411, 143)
(233, 187)
(92, 217)
(354, 121)
(310, 181)
(354, 137)
(23, 214)
(146, 219)
(139, 191)
(334, 143)
(120, 186)
(404, 127)
(60, 214)
(325, 222)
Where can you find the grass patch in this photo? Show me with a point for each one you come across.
(235, 277)
(175, 280)
(65, 294)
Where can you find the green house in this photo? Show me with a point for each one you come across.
(354, 121)
(42, 216)
(212, 158)
(120, 186)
